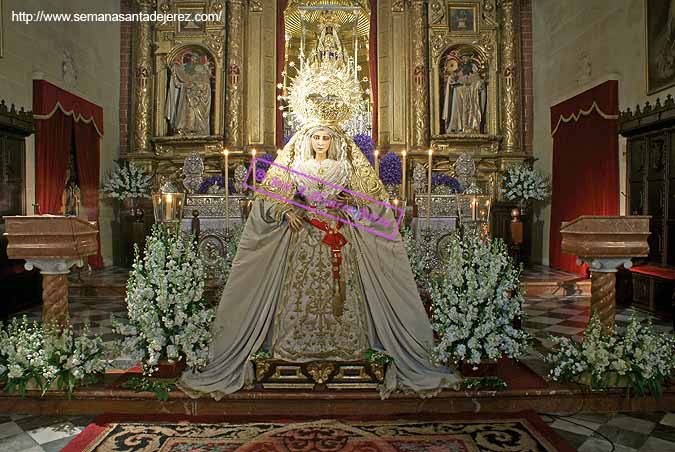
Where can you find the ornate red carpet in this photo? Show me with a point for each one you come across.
(468, 433)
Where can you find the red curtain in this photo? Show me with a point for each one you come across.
(585, 163)
(59, 117)
(87, 155)
(53, 141)
(372, 62)
(281, 56)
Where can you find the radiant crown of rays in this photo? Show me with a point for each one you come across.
(325, 90)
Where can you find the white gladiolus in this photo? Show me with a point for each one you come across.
(127, 181)
(167, 312)
(524, 183)
(646, 359)
(476, 302)
(29, 351)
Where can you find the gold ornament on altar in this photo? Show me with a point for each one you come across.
(326, 89)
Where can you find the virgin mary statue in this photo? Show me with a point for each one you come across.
(307, 286)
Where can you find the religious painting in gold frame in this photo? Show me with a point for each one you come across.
(660, 42)
(462, 18)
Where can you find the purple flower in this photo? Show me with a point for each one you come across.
(365, 143)
(214, 180)
(287, 138)
(390, 168)
(446, 179)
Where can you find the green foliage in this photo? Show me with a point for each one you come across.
(160, 388)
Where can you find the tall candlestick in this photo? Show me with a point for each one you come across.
(377, 163)
(227, 192)
(253, 163)
(474, 209)
(403, 190)
(431, 152)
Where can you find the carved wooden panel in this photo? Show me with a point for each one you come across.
(655, 241)
(637, 198)
(637, 159)
(12, 175)
(656, 160)
(656, 198)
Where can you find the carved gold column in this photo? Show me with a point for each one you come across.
(510, 74)
(235, 70)
(142, 35)
(420, 107)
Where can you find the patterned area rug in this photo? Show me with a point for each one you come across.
(523, 432)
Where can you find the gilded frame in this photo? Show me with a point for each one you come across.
(657, 39)
(455, 21)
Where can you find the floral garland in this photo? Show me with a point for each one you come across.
(49, 355)
(127, 180)
(391, 171)
(644, 358)
(476, 302)
(168, 315)
(524, 183)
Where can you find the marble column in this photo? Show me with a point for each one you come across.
(419, 76)
(510, 71)
(54, 287)
(142, 67)
(235, 72)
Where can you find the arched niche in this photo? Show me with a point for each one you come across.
(463, 80)
(189, 93)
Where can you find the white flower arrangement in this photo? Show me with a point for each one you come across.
(643, 358)
(524, 183)
(49, 355)
(421, 256)
(169, 319)
(127, 181)
(476, 302)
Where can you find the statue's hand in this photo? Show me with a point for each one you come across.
(294, 221)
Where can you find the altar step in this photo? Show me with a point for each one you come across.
(540, 281)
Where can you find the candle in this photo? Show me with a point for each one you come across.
(474, 208)
(403, 190)
(168, 215)
(227, 192)
(377, 163)
(253, 163)
(431, 153)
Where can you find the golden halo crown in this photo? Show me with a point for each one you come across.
(326, 89)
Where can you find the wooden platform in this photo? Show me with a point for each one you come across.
(556, 398)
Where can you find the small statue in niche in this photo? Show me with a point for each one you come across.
(465, 96)
(188, 99)
(70, 199)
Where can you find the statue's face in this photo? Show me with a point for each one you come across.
(321, 141)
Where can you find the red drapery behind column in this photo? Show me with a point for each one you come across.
(60, 116)
(53, 141)
(372, 62)
(281, 57)
(585, 163)
(87, 155)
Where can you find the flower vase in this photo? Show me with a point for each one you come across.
(167, 369)
(486, 368)
(129, 205)
(610, 379)
(523, 205)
